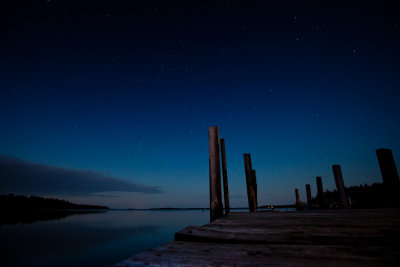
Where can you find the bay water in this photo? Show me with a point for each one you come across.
(92, 239)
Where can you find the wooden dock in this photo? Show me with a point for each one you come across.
(343, 237)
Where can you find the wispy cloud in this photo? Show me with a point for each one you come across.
(33, 178)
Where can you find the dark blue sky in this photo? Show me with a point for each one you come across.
(127, 90)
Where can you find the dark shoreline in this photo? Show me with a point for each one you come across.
(15, 209)
(31, 216)
(243, 208)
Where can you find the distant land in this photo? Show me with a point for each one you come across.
(202, 209)
(166, 208)
(13, 202)
(22, 209)
(361, 197)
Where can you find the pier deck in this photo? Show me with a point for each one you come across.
(345, 237)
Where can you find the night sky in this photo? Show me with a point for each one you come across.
(109, 102)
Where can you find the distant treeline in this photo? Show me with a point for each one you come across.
(13, 203)
(23, 209)
(361, 197)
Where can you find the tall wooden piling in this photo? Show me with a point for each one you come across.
(298, 202)
(253, 172)
(251, 194)
(390, 176)
(225, 177)
(216, 210)
(388, 168)
(337, 173)
(308, 191)
(320, 195)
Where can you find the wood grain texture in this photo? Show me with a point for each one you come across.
(337, 173)
(250, 183)
(312, 238)
(206, 254)
(216, 207)
(225, 177)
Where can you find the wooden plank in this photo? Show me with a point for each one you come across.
(216, 209)
(316, 238)
(225, 177)
(324, 229)
(206, 254)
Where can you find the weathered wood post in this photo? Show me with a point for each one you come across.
(388, 167)
(390, 176)
(251, 195)
(298, 202)
(216, 210)
(308, 191)
(337, 173)
(320, 195)
(253, 172)
(225, 177)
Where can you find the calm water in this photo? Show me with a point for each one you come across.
(99, 239)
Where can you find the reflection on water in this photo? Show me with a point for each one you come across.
(99, 239)
(26, 216)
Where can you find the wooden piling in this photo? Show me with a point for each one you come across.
(308, 191)
(390, 177)
(296, 191)
(225, 177)
(320, 195)
(253, 172)
(298, 202)
(337, 172)
(388, 168)
(216, 209)
(251, 195)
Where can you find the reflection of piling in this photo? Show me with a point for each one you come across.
(298, 202)
(337, 173)
(308, 191)
(250, 183)
(320, 195)
(390, 176)
(216, 210)
(225, 177)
